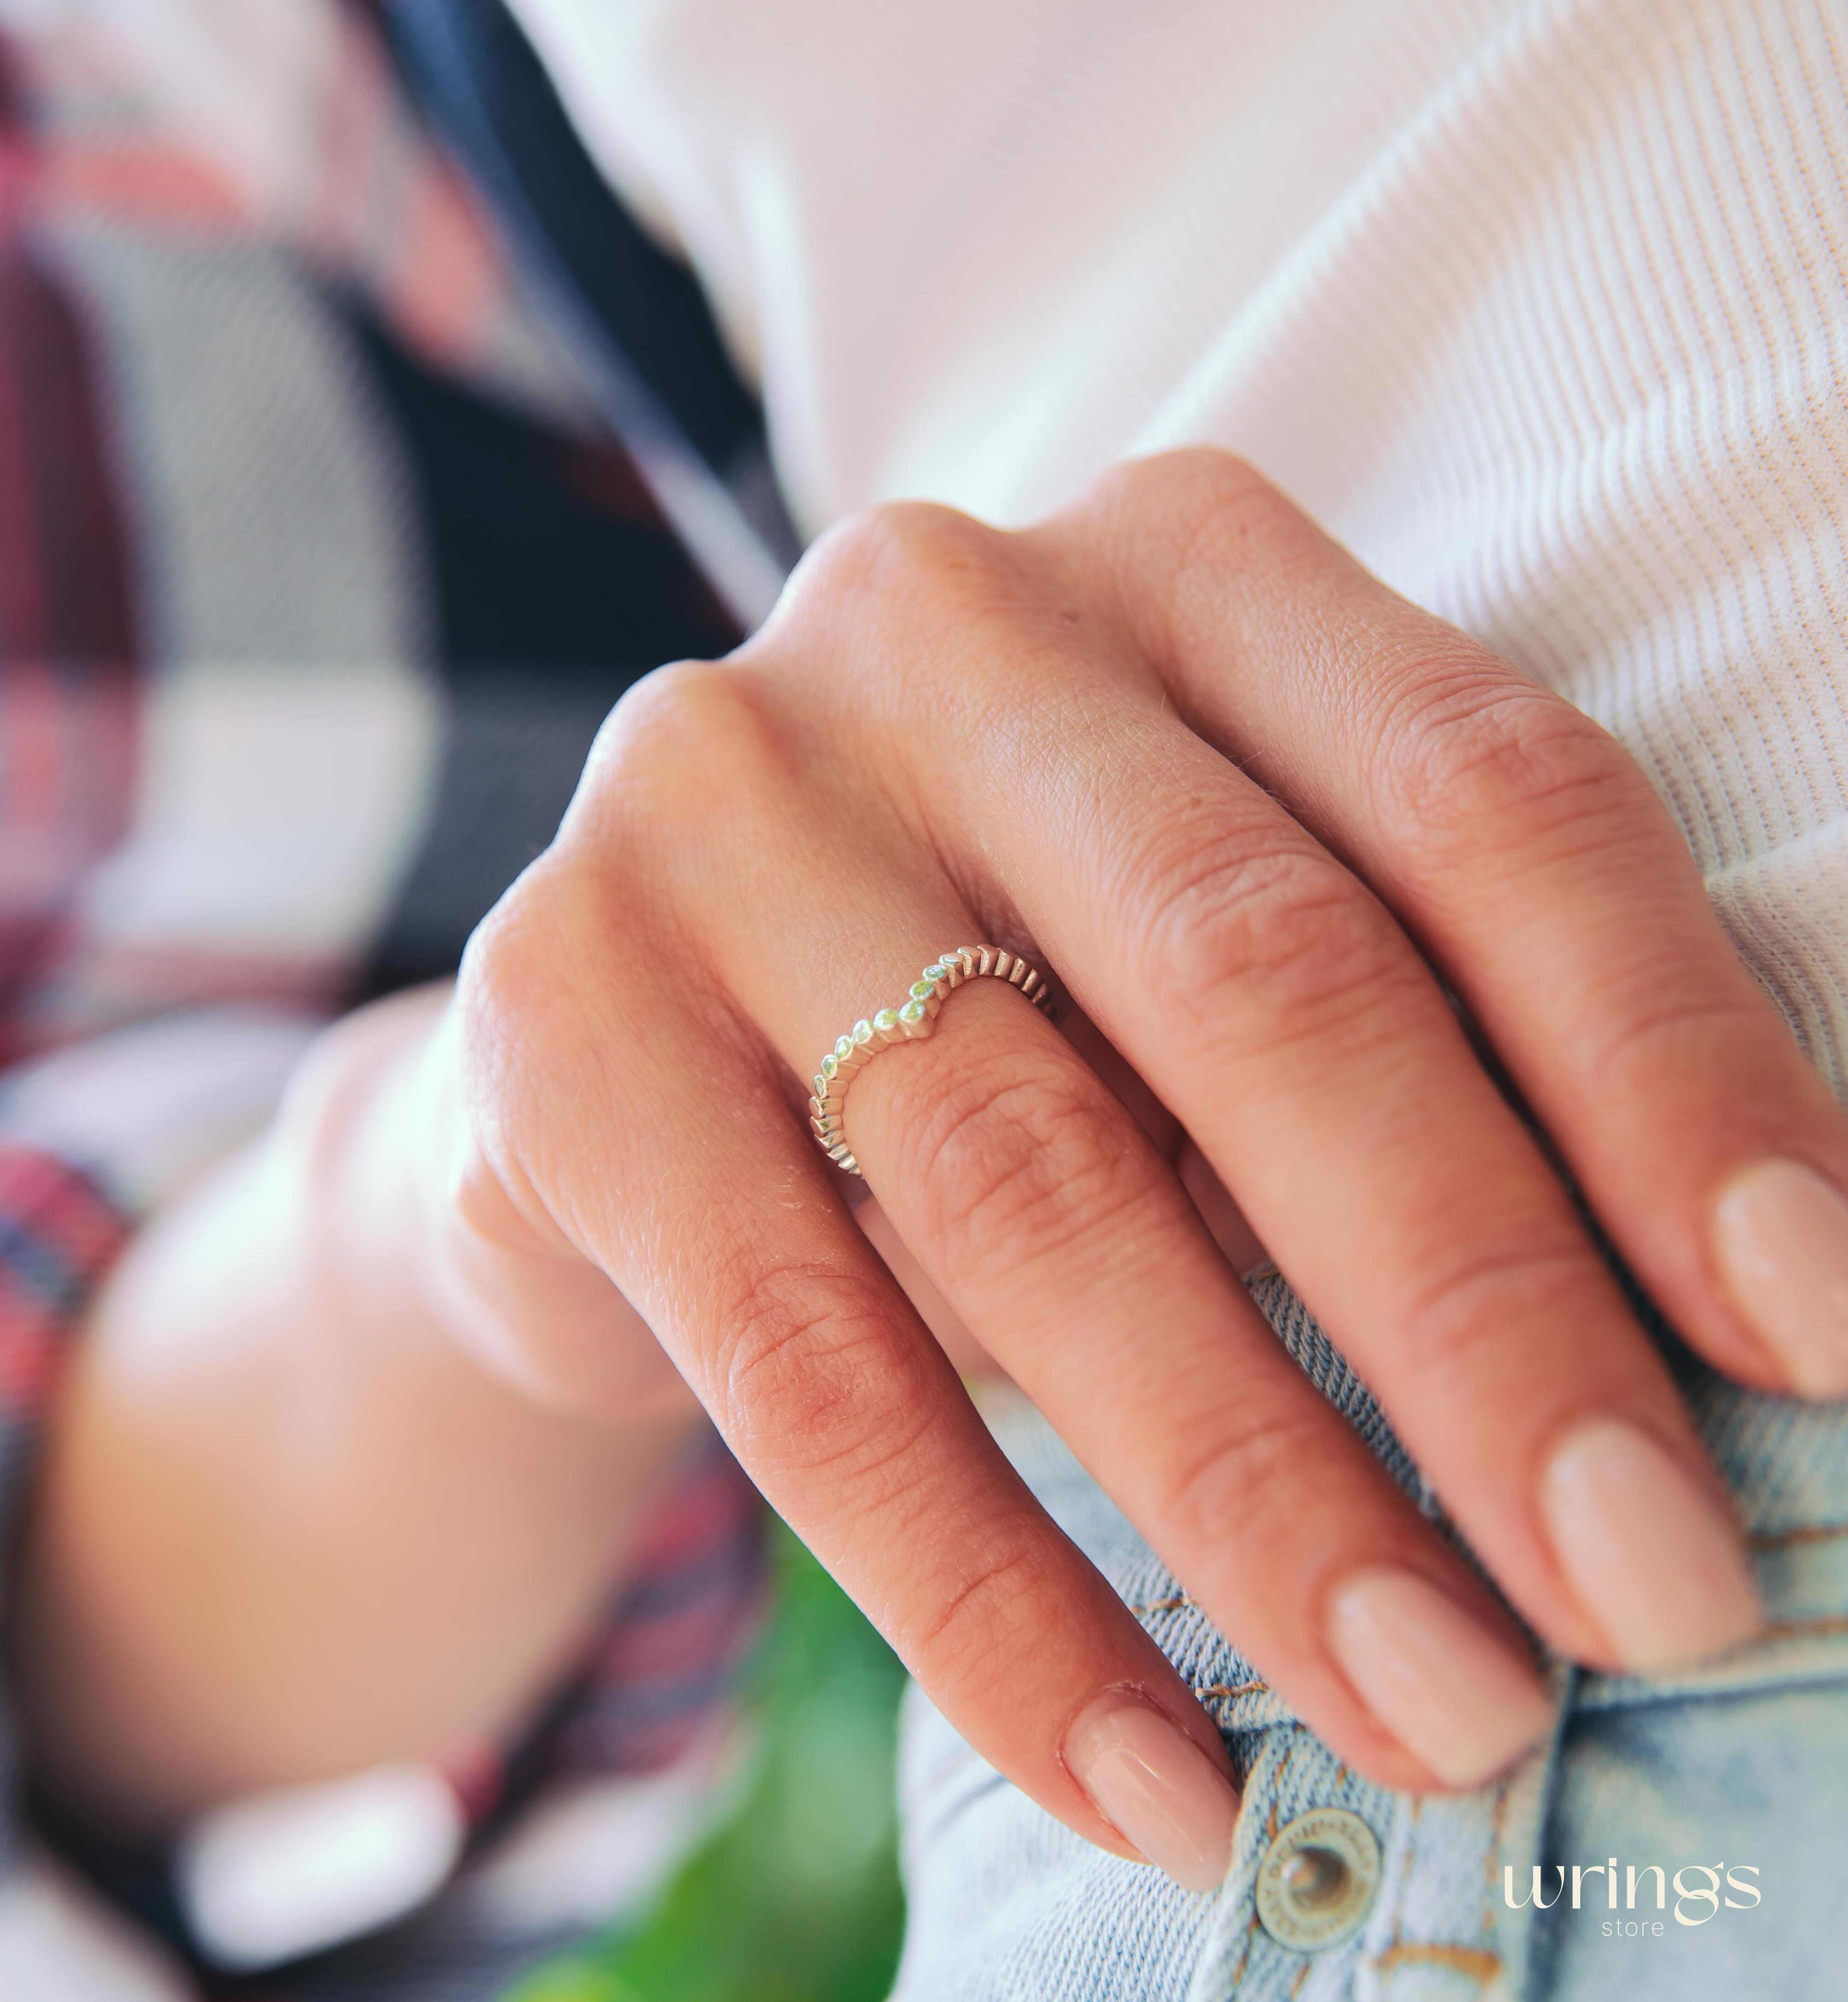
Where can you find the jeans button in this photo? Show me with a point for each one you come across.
(1318, 1879)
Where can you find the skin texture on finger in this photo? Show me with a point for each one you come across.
(950, 1331)
(715, 1215)
(1267, 996)
(1225, 1222)
(525, 1301)
(1040, 1207)
(1063, 1239)
(1542, 875)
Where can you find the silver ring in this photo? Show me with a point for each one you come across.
(915, 1018)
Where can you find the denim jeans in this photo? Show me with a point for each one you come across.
(1705, 1814)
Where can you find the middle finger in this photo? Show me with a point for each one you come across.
(1273, 1002)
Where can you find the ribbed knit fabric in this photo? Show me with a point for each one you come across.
(1540, 307)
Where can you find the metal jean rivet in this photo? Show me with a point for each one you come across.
(1318, 1878)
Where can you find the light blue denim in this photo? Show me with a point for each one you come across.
(1737, 1768)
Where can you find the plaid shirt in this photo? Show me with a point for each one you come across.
(290, 466)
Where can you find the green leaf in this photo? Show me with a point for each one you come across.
(796, 1899)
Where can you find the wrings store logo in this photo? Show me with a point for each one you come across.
(1701, 1891)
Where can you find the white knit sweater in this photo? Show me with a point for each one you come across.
(1542, 306)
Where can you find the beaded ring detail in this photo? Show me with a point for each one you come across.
(914, 1019)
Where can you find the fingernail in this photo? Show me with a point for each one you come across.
(1780, 1235)
(1156, 1788)
(1449, 1691)
(1653, 1560)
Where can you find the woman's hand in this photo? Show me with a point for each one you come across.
(1258, 814)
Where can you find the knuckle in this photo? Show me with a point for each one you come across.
(893, 556)
(541, 979)
(1282, 919)
(1013, 1161)
(1243, 1467)
(974, 1619)
(806, 1380)
(511, 1036)
(1193, 481)
(888, 604)
(512, 994)
(1456, 1329)
(1663, 1030)
(684, 737)
(1198, 514)
(1479, 758)
(502, 977)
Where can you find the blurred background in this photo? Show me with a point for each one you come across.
(357, 451)
(795, 1896)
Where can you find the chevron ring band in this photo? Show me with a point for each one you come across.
(914, 1019)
